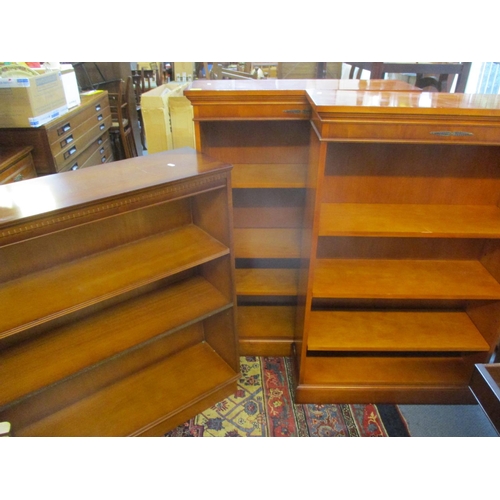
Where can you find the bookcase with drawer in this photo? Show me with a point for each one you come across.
(117, 297)
(262, 128)
(399, 289)
(76, 140)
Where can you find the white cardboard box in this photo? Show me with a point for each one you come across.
(70, 85)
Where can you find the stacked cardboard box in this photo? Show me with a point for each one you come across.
(31, 101)
(168, 118)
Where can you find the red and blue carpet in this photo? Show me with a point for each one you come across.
(263, 406)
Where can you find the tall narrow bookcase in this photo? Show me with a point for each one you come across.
(399, 288)
(117, 297)
(262, 128)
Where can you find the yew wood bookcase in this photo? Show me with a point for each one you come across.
(262, 128)
(367, 232)
(117, 297)
(399, 291)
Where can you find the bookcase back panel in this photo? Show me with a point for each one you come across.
(252, 142)
(408, 173)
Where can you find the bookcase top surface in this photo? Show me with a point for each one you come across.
(296, 86)
(66, 190)
(388, 102)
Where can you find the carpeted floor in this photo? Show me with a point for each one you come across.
(263, 406)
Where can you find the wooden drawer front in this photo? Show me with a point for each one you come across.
(90, 130)
(21, 170)
(93, 155)
(439, 132)
(262, 111)
(101, 155)
(58, 133)
(68, 141)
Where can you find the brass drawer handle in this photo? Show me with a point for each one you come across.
(447, 133)
(18, 177)
(296, 111)
(98, 107)
(99, 118)
(102, 127)
(103, 159)
(74, 167)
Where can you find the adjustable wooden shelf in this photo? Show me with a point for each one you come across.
(392, 196)
(401, 273)
(117, 297)
(262, 128)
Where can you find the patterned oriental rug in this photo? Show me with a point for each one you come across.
(263, 406)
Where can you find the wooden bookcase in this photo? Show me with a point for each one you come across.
(262, 128)
(399, 289)
(117, 297)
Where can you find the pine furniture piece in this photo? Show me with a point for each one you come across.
(262, 128)
(16, 164)
(73, 141)
(399, 289)
(117, 297)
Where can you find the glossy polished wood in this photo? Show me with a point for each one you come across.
(87, 186)
(427, 221)
(442, 70)
(118, 317)
(403, 103)
(407, 201)
(262, 128)
(280, 321)
(403, 209)
(271, 99)
(146, 390)
(380, 116)
(398, 331)
(16, 164)
(128, 324)
(270, 86)
(367, 378)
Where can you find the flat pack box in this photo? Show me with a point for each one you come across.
(181, 121)
(31, 101)
(70, 84)
(168, 118)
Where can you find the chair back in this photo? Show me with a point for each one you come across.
(119, 103)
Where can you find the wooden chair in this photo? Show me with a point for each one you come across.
(121, 130)
(157, 74)
(147, 79)
(439, 76)
(138, 85)
(355, 71)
